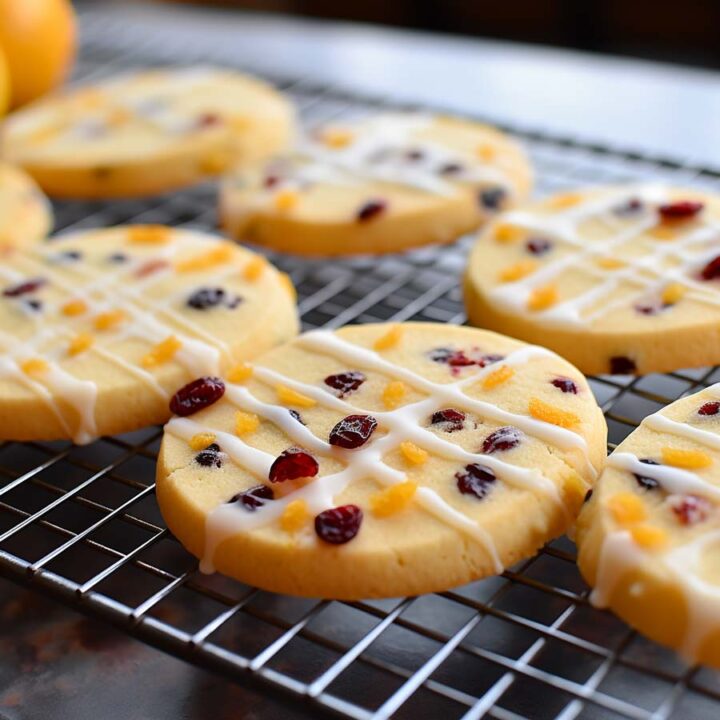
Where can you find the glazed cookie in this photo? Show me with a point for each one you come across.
(148, 132)
(98, 329)
(381, 185)
(380, 461)
(25, 214)
(649, 538)
(617, 280)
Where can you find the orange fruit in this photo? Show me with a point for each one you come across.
(38, 41)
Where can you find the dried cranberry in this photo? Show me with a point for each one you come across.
(450, 419)
(353, 431)
(292, 464)
(196, 395)
(565, 384)
(371, 210)
(254, 498)
(345, 382)
(208, 119)
(414, 155)
(297, 416)
(271, 181)
(205, 298)
(504, 438)
(629, 208)
(211, 456)
(712, 270)
(538, 245)
(690, 509)
(709, 408)
(451, 168)
(647, 482)
(680, 210)
(456, 358)
(621, 365)
(24, 287)
(493, 198)
(475, 480)
(339, 525)
(588, 495)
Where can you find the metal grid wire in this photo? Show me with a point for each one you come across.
(81, 523)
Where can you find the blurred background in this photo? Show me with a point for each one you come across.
(685, 32)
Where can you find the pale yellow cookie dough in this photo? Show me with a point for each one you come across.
(649, 538)
(147, 132)
(98, 329)
(380, 185)
(419, 532)
(25, 213)
(622, 279)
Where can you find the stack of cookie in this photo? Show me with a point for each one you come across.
(378, 460)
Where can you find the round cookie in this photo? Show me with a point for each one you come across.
(98, 329)
(382, 461)
(649, 538)
(147, 132)
(25, 213)
(617, 280)
(381, 185)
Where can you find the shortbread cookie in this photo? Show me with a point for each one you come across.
(617, 280)
(380, 461)
(25, 214)
(98, 329)
(382, 185)
(649, 538)
(147, 132)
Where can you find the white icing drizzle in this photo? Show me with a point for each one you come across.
(199, 355)
(647, 272)
(397, 425)
(620, 554)
(377, 153)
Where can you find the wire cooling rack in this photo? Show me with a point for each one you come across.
(81, 523)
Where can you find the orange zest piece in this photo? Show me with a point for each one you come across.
(497, 377)
(109, 319)
(486, 152)
(393, 394)
(294, 516)
(204, 261)
(285, 200)
(566, 200)
(287, 282)
(412, 453)
(201, 441)
(627, 508)
(80, 343)
(254, 268)
(689, 459)
(518, 270)
(673, 292)
(149, 234)
(74, 307)
(648, 536)
(505, 233)
(664, 232)
(610, 263)
(337, 138)
(34, 366)
(246, 422)
(162, 352)
(542, 298)
(215, 162)
(541, 410)
(389, 339)
(240, 373)
(288, 396)
(393, 499)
